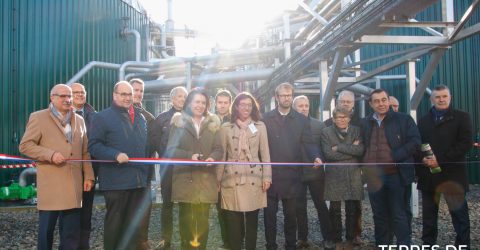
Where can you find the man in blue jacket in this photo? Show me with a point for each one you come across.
(391, 140)
(288, 132)
(120, 134)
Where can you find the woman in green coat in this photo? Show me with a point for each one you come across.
(194, 136)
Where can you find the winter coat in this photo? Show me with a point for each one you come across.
(342, 182)
(309, 173)
(241, 185)
(404, 141)
(450, 140)
(194, 183)
(113, 133)
(286, 138)
(59, 187)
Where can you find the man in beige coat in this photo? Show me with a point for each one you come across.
(52, 137)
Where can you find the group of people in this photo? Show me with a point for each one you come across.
(381, 150)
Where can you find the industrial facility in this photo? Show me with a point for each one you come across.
(321, 47)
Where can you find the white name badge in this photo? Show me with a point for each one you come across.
(252, 128)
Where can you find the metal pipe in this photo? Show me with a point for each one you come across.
(138, 41)
(89, 66)
(22, 179)
(210, 79)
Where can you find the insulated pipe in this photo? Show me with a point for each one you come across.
(125, 65)
(138, 41)
(22, 179)
(88, 67)
(209, 79)
(98, 64)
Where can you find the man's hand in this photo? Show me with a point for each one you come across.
(122, 158)
(430, 161)
(266, 185)
(57, 158)
(317, 163)
(334, 148)
(356, 142)
(210, 159)
(197, 157)
(87, 185)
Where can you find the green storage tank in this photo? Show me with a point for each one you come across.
(45, 42)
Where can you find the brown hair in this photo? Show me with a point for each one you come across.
(256, 116)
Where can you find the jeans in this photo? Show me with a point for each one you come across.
(389, 208)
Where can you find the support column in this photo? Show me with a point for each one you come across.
(411, 86)
(188, 75)
(323, 73)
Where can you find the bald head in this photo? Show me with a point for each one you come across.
(123, 94)
(61, 98)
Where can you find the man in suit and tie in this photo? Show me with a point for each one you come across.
(82, 108)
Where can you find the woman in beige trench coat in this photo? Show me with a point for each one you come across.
(243, 187)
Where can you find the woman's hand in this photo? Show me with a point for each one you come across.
(266, 185)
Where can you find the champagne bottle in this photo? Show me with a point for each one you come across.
(427, 152)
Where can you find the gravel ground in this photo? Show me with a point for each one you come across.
(18, 226)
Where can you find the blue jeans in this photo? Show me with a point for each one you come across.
(389, 208)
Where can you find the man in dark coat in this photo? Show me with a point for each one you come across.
(120, 134)
(288, 132)
(158, 140)
(391, 140)
(449, 133)
(314, 180)
(82, 108)
(223, 101)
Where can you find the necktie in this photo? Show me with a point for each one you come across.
(131, 112)
(79, 112)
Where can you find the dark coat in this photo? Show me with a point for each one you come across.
(88, 113)
(450, 140)
(310, 173)
(159, 131)
(113, 133)
(286, 138)
(402, 137)
(342, 182)
(194, 183)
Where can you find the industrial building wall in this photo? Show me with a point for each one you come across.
(45, 42)
(459, 69)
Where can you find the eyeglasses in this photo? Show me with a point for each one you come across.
(285, 96)
(124, 94)
(245, 105)
(79, 93)
(63, 96)
(345, 101)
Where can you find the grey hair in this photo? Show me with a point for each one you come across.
(174, 91)
(300, 97)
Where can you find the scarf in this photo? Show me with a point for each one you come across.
(64, 120)
(341, 133)
(438, 114)
(244, 154)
